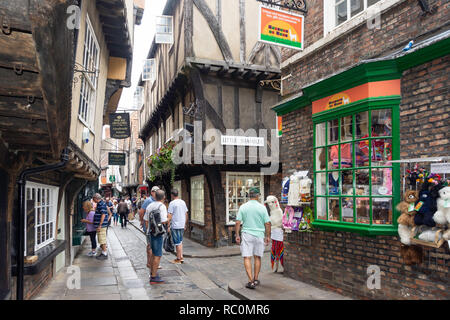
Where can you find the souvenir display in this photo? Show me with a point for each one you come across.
(288, 219)
(406, 219)
(424, 214)
(305, 189)
(285, 190)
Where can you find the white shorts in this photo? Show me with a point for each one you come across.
(251, 245)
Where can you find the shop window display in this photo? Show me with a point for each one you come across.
(353, 169)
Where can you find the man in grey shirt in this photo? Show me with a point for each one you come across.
(178, 215)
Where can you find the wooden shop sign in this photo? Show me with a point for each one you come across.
(119, 124)
(116, 159)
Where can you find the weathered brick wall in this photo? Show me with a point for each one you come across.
(425, 110)
(339, 260)
(33, 284)
(399, 25)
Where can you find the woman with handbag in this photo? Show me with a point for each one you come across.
(90, 229)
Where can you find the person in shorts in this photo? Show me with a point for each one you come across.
(101, 223)
(156, 243)
(178, 216)
(255, 234)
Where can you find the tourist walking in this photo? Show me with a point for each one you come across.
(123, 211)
(90, 229)
(155, 218)
(178, 216)
(144, 206)
(255, 234)
(101, 224)
(115, 212)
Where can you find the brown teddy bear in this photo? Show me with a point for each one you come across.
(406, 219)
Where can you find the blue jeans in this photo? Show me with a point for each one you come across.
(156, 243)
(177, 236)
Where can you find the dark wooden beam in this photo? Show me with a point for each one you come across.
(17, 49)
(27, 84)
(31, 147)
(14, 138)
(16, 12)
(20, 125)
(18, 106)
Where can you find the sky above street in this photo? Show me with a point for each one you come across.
(143, 39)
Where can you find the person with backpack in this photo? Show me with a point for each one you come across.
(155, 220)
(123, 211)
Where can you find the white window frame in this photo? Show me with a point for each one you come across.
(160, 136)
(50, 206)
(233, 173)
(330, 13)
(200, 178)
(138, 98)
(89, 82)
(149, 70)
(169, 128)
(164, 30)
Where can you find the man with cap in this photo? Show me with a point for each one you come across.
(101, 224)
(144, 206)
(255, 234)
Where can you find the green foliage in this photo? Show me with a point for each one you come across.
(161, 163)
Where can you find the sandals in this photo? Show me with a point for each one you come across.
(256, 282)
(250, 285)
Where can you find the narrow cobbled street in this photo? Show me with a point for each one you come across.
(124, 276)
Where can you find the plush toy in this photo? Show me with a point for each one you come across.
(307, 219)
(406, 219)
(411, 254)
(442, 215)
(305, 189)
(276, 220)
(276, 214)
(423, 207)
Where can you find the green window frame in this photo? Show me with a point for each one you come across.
(365, 208)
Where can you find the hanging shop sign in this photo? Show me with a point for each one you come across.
(116, 159)
(281, 28)
(279, 126)
(119, 125)
(364, 91)
(242, 141)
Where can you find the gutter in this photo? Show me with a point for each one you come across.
(22, 215)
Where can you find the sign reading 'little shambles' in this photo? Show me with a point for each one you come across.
(281, 28)
(119, 125)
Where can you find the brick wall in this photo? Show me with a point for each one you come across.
(33, 284)
(399, 25)
(339, 260)
(425, 110)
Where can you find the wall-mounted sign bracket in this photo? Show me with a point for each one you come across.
(295, 5)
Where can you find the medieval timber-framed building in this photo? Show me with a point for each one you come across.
(212, 75)
(58, 79)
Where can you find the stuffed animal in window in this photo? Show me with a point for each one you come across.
(423, 207)
(406, 219)
(305, 189)
(442, 215)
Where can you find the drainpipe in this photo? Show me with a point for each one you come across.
(22, 215)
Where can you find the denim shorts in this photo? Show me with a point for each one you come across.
(177, 236)
(156, 243)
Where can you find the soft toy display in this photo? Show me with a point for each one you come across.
(442, 215)
(305, 189)
(406, 219)
(424, 206)
(307, 219)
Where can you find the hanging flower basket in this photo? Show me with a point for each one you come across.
(161, 163)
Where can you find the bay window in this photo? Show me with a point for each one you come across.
(198, 199)
(353, 172)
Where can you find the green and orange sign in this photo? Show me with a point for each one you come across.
(281, 28)
(364, 91)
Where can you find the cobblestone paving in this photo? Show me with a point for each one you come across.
(197, 278)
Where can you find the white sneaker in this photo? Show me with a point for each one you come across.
(91, 254)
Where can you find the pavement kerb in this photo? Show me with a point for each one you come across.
(237, 294)
(202, 256)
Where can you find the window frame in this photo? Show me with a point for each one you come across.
(199, 178)
(369, 105)
(227, 197)
(164, 34)
(151, 74)
(89, 82)
(52, 204)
